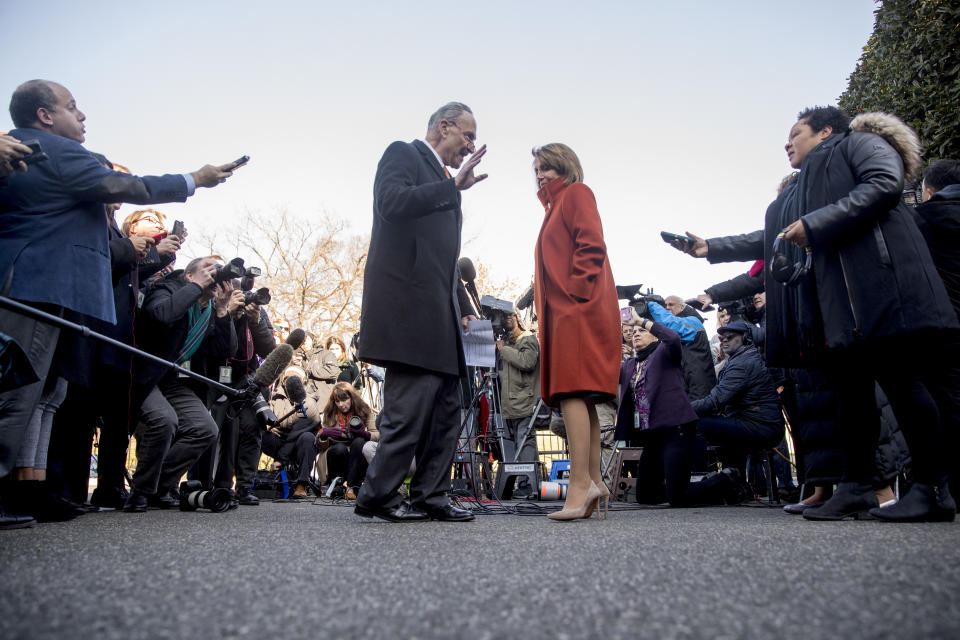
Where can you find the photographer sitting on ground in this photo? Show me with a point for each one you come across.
(186, 318)
(742, 413)
(348, 423)
(293, 438)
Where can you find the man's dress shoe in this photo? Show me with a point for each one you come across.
(403, 512)
(450, 513)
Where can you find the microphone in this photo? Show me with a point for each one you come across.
(273, 365)
(468, 273)
(296, 393)
(526, 299)
(296, 338)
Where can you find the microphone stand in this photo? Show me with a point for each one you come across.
(89, 333)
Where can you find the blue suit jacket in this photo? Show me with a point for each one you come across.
(53, 227)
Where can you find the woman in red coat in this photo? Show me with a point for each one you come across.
(578, 316)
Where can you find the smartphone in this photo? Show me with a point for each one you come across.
(670, 238)
(626, 314)
(177, 229)
(239, 162)
(36, 153)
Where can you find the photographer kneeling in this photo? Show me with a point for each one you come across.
(655, 413)
(186, 318)
(348, 424)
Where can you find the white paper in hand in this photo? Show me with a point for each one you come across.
(479, 349)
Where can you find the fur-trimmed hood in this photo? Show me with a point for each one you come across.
(896, 132)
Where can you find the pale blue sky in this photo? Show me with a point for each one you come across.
(679, 111)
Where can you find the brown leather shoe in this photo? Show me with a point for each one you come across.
(300, 493)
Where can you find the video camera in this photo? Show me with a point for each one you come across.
(637, 299)
(496, 311)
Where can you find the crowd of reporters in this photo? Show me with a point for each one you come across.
(681, 397)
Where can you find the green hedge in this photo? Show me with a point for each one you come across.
(911, 67)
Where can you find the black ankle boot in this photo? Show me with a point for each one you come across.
(852, 500)
(923, 503)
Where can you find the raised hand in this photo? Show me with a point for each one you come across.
(465, 177)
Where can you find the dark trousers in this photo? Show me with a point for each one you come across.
(663, 471)
(737, 438)
(347, 461)
(898, 365)
(420, 418)
(39, 342)
(304, 452)
(177, 430)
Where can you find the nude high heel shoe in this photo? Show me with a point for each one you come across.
(604, 499)
(585, 509)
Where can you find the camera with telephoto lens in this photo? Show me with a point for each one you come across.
(254, 400)
(193, 497)
(261, 296)
(355, 423)
(230, 271)
(496, 311)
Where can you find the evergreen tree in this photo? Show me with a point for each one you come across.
(910, 67)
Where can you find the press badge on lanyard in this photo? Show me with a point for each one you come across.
(636, 419)
(184, 365)
(226, 375)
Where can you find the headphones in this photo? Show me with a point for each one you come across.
(782, 270)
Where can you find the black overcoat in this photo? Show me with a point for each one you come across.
(873, 273)
(412, 294)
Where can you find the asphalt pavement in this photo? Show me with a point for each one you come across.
(303, 570)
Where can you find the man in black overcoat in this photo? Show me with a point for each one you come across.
(411, 317)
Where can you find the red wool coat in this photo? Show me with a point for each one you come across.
(577, 307)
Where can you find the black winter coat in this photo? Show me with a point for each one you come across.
(163, 324)
(744, 391)
(872, 271)
(811, 403)
(939, 221)
(412, 294)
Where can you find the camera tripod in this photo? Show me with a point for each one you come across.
(472, 464)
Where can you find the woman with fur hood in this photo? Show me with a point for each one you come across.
(852, 287)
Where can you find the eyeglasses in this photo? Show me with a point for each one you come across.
(148, 219)
(469, 136)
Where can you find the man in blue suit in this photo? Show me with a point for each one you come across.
(54, 240)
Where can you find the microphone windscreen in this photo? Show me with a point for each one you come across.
(468, 273)
(296, 338)
(526, 299)
(296, 392)
(273, 365)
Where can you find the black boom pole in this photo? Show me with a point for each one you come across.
(89, 333)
